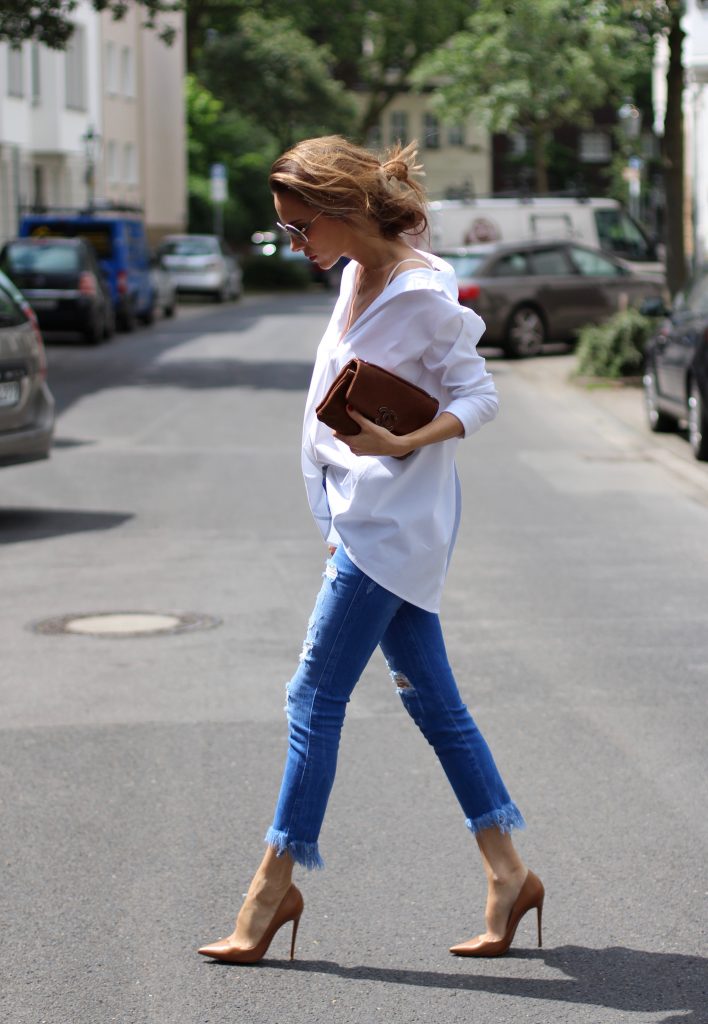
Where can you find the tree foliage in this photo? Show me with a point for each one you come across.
(276, 75)
(531, 66)
(50, 21)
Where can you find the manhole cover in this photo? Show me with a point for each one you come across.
(126, 624)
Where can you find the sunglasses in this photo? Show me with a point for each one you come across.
(299, 234)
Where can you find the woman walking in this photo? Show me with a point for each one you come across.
(388, 507)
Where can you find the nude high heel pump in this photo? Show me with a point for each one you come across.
(290, 909)
(531, 895)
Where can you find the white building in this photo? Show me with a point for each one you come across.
(695, 58)
(116, 83)
(695, 105)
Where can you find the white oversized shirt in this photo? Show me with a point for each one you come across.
(397, 519)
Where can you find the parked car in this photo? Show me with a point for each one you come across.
(676, 366)
(163, 287)
(119, 239)
(202, 264)
(64, 283)
(26, 403)
(531, 292)
(277, 244)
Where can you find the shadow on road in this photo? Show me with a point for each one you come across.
(629, 980)
(22, 524)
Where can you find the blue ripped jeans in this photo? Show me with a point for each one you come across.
(352, 616)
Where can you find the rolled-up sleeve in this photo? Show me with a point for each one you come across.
(468, 391)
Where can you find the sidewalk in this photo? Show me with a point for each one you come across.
(624, 419)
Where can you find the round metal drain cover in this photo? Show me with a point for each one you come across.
(126, 624)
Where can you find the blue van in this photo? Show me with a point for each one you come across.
(120, 241)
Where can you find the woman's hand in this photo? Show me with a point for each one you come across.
(375, 440)
(372, 440)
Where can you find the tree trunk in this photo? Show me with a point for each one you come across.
(539, 136)
(673, 159)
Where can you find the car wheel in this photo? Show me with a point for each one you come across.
(169, 311)
(127, 319)
(659, 421)
(148, 317)
(697, 423)
(525, 333)
(95, 332)
(109, 323)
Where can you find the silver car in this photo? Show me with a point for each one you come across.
(531, 292)
(26, 404)
(201, 264)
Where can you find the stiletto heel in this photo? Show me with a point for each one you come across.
(296, 925)
(290, 909)
(531, 895)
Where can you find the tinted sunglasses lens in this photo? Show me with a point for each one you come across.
(294, 232)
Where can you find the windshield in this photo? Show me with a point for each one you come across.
(189, 247)
(464, 264)
(21, 258)
(621, 235)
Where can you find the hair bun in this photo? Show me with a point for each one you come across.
(396, 168)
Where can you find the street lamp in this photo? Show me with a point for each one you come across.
(92, 144)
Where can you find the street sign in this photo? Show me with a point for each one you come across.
(217, 181)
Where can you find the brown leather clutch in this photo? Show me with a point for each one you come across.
(379, 395)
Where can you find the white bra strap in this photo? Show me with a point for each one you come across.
(409, 259)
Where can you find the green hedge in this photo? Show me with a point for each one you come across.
(616, 348)
(271, 272)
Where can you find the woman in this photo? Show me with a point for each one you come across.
(390, 524)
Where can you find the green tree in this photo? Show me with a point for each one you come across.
(277, 76)
(531, 66)
(49, 21)
(219, 135)
(371, 47)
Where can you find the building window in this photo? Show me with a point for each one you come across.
(130, 164)
(35, 75)
(127, 72)
(431, 131)
(75, 69)
(112, 162)
(519, 144)
(399, 127)
(15, 73)
(111, 69)
(595, 147)
(456, 135)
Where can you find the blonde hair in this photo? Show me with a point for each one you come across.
(337, 177)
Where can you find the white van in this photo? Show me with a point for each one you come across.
(602, 223)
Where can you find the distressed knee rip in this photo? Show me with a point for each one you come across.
(401, 680)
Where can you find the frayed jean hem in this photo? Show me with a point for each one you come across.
(505, 819)
(305, 854)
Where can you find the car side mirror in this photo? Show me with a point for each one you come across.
(654, 306)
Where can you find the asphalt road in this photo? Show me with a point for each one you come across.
(139, 774)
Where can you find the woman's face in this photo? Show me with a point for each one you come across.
(326, 235)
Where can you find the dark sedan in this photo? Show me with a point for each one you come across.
(63, 282)
(676, 366)
(531, 292)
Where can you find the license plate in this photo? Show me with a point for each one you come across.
(9, 393)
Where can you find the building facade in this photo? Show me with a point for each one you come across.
(102, 121)
(456, 158)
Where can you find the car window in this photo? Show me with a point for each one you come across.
(618, 233)
(550, 262)
(464, 264)
(190, 247)
(10, 313)
(697, 298)
(100, 236)
(514, 264)
(592, 264)
(21, 258)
